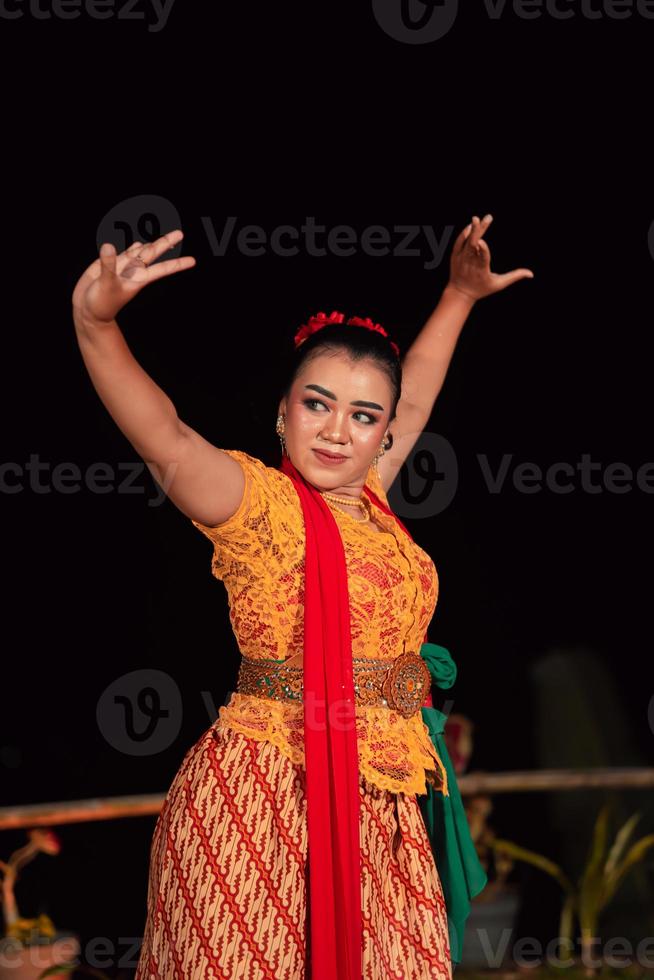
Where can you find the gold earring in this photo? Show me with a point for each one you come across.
(380, 452)
(280, 432)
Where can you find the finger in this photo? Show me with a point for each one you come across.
(134, 247)
(152, 250)
(480, 252)
(474, 234)
(484, 225)
(170, 266)
(508, 278)
(461, 239)
(107, 260)
(129, 256)
(138, 266)
(479, 228)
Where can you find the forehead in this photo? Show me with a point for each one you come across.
(342, 375)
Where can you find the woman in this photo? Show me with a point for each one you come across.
(291, 842)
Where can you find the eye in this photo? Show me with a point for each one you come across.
(310, 402)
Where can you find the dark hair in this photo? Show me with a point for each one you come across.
(358, 343)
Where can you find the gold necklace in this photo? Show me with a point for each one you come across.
(348, 502)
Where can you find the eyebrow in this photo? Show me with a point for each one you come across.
(330, 394)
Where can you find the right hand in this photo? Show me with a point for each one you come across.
(113, 280)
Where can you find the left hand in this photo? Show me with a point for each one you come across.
(470, 271)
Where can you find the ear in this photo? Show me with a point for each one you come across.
(281, 410)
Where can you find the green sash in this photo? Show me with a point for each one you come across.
(462, 876)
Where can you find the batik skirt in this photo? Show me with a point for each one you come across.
(228, 886)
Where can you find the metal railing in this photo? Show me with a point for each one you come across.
(470, 784)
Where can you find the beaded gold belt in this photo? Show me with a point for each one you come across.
(401, 684)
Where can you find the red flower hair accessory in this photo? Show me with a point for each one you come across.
(356, 321)
(320, 320)
(317, 322)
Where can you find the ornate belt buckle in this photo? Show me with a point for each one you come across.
(406, 684)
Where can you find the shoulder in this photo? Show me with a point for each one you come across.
(275, 488)
(268, 493)
(258, 471)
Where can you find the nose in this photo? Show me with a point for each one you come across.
(334, 430)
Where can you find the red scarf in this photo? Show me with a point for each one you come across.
(330, 741)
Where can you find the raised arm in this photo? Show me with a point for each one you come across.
(427, 360)
(201, 480)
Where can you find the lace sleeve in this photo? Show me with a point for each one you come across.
(245, 538)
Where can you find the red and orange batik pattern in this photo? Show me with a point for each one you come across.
(227, 890)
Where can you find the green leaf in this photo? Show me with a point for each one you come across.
(591, 885)
(566, 922)
(620, 842)
(531, 857)
(634, 856)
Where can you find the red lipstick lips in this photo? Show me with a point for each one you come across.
(329, 458)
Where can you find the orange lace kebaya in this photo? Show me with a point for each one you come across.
(393, 588)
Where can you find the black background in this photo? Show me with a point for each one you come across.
(273, 115)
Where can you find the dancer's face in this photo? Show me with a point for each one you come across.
(319, 414)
